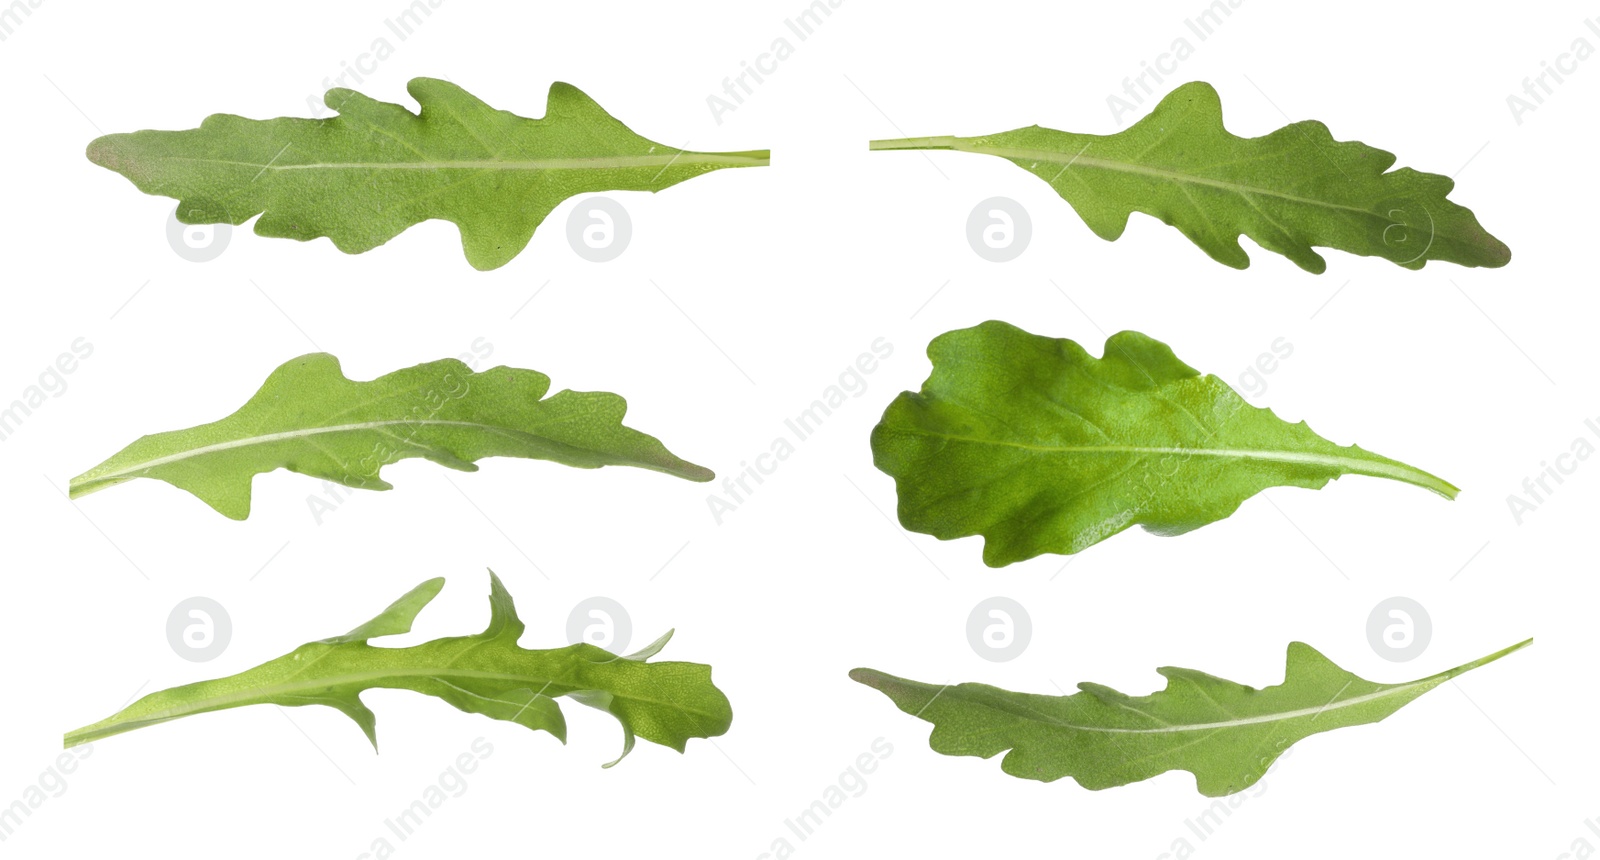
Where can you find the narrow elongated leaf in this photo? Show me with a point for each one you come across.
(1225, 733)
(1288, 191)
(309, 418)
(1040, 447)
(489, 674)
(362, 177)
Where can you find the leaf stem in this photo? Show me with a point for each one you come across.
(237, 691)
(746, 158)
(1372, 465)
(96, 731)
(1398, 471)
(1482, 661)
(943, 142)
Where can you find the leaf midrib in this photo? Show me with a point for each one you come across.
(727, 159)
(1279, 716)
(365, 679)
(1428, 683)
(1351, 465)
(1136, 168)
(269, 438)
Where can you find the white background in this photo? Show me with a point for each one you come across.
(778, 278)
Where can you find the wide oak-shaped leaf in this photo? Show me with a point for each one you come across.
(1288, 191)
(489, 674)
(1039, 447)
(1225, 733)
(309, 418)
(362, 177)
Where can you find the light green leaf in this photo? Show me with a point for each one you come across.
(362, 177)
(1226, 734)
(1288, 190)
(1040, 447)
(665, 703)
(309, 418)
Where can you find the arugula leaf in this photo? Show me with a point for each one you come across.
(1288, 190)
(664, 703)
(1225, 733)
(1039, 447)
(362, 177)
(309, 418)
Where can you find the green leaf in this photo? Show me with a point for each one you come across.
(362, 177)
(309, 418)
(664, 703)
(1226, 734)
(1040, 447)
(1288, 190)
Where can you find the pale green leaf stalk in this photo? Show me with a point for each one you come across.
(489, 674)
(309, 418)
(1289, 190)
(1039, 447)
(364, 176)
(1227, 734)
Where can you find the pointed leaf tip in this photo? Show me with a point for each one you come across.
(503, 620)
(398, 617)
(652, 649)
